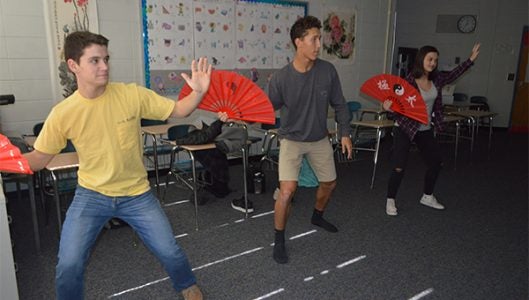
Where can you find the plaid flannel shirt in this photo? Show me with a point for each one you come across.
(410, 126)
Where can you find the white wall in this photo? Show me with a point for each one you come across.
(499, 29)
(24, 69)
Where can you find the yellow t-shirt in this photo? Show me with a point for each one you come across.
(106, 133)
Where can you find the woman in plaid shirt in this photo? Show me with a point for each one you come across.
(425, 77)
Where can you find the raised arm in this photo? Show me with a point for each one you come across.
(199, 83)
(462, 68)
(475, 52)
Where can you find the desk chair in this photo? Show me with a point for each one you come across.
(270, 156)
(480, 100)
(181, 169)
(460, 97)
(484, 106)
(60, 185)
(148, 150)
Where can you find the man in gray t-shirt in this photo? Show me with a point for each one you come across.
(303, 90)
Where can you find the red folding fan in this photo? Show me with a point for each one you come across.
(11, 160)
(236, 95)
(406, 99)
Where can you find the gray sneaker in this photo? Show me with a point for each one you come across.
(431, 201)
(391, 209)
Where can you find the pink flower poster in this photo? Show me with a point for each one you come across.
(338, 36)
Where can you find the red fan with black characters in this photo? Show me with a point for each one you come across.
(11, 160)
(406, 99)
(237, 96)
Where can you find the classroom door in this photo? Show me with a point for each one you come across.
(406, 57)
(520, 107)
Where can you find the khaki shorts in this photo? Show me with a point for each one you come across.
(319, 154)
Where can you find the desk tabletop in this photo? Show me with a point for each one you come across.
(473, 113)
(199, 147)
(63, 161)
(451, 118)
(157, 129)
(192, 147)
(374, 123)
(463, 104)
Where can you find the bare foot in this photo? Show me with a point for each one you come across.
(192, 293)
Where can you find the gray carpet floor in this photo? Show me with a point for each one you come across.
(475, 249)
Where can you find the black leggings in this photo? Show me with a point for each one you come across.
(430, 152)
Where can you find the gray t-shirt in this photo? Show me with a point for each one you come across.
(429, 98)
(304, 99)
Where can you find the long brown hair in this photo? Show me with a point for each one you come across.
(417, 69)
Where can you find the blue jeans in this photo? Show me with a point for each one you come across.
(86, 216)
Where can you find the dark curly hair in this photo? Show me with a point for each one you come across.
(300, 27)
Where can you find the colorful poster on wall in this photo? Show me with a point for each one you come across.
(283, 19)
(67, 16)
(246, 36)
(338, 36)
(170, 38)
(214, 32)
(253, 36)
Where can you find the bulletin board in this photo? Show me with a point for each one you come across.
(248, 37)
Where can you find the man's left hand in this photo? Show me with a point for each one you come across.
(347, 145)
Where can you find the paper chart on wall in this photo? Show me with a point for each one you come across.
(169, 25)
(283, 19)
(214, 32)
(253, 36)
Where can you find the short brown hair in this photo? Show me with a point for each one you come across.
(76, 42)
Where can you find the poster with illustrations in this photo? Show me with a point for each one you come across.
(283, 19)
(254, 36)
(244, 36)
(338, 36)
(214, 32)
(169, 42)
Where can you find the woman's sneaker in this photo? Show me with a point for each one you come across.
(431, 201)
(238, 204)
(391, 209)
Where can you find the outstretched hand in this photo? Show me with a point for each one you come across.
(200, 76)
(475, 52)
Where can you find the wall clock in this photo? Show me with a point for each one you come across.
(466, 24)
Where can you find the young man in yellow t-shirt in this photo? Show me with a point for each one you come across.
(102, 120)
